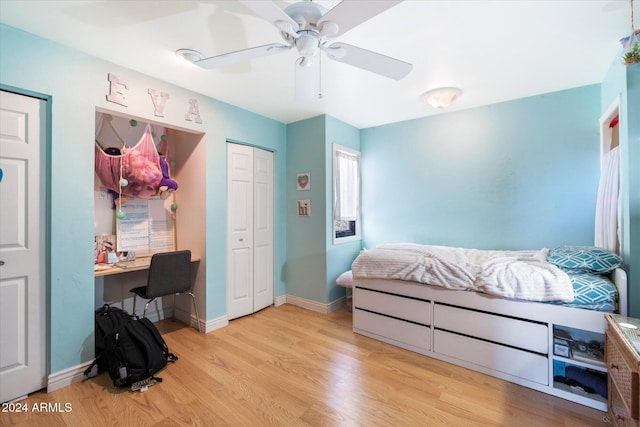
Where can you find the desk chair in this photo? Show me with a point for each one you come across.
(169, 274)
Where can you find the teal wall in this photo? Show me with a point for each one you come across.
(624, 82)
(313, 261)
(632, 245)
(341, 255)
(305, 270)
(521, 174)
(77, 84)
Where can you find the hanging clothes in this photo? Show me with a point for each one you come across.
(606, 229)
(139, 165)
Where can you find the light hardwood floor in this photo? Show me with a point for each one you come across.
(287, 366)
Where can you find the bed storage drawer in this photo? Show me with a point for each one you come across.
(414, 310)
(504, 330)
(519, 363)
(397, 330)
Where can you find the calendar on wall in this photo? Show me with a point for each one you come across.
(148, 227)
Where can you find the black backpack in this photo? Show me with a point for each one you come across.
(107, 319)
(134, 352)
(139, 350)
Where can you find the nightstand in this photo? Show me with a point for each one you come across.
(622, 356)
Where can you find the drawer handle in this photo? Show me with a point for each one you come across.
(613, 366)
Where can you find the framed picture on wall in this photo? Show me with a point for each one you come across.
(304, 207)
(303, 181)
(103, 245)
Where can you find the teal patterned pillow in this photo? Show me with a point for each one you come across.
(593, 292)
(593, 289)
(584, 258)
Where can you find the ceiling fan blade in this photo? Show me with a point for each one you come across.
(271, 13)
(349, 13)
(370, 61)
(307, 77)
(232, 58)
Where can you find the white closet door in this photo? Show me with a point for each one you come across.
(263, 230)
(22, 231)
(240, 231)
(250, 281)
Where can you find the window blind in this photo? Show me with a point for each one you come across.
(347, 176)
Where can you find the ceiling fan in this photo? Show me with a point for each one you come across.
(308, 27)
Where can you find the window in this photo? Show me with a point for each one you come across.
(346, 194)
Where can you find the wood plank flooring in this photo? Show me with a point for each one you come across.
(287, 366)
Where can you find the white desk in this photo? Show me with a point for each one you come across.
(126, 266)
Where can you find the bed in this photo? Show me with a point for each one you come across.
(458, 305)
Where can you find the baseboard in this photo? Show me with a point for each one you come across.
(278, 301)
(67, 377)
(337, 304)
(213, 324)
(206, 326)
(315, 305)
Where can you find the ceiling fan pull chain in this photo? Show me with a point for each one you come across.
(319, 76)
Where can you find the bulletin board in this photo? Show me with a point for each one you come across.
(148, 227)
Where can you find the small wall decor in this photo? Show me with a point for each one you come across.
(631, 48)
(304, 207)
(159, 100)
(193, 115)
(303, 181)
(117, 90)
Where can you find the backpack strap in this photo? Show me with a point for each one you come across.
(87, 372)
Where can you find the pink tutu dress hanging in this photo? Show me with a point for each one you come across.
(140, 167)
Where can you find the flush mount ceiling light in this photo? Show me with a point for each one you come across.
(441, 97)
(189, 55)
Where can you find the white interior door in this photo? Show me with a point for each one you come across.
(262, 229)
(22, 231)
(240, 231)
(250, 230)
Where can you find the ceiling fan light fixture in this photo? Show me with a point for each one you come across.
(442, 97)
(304, 61)
(335, 52)
(329, 28)
(189, 55)
(307, 43)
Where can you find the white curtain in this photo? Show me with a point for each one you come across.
(346, 185)
(606, 233)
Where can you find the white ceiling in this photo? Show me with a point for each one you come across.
(494, 50)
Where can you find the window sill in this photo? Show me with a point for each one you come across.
(347, 239)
